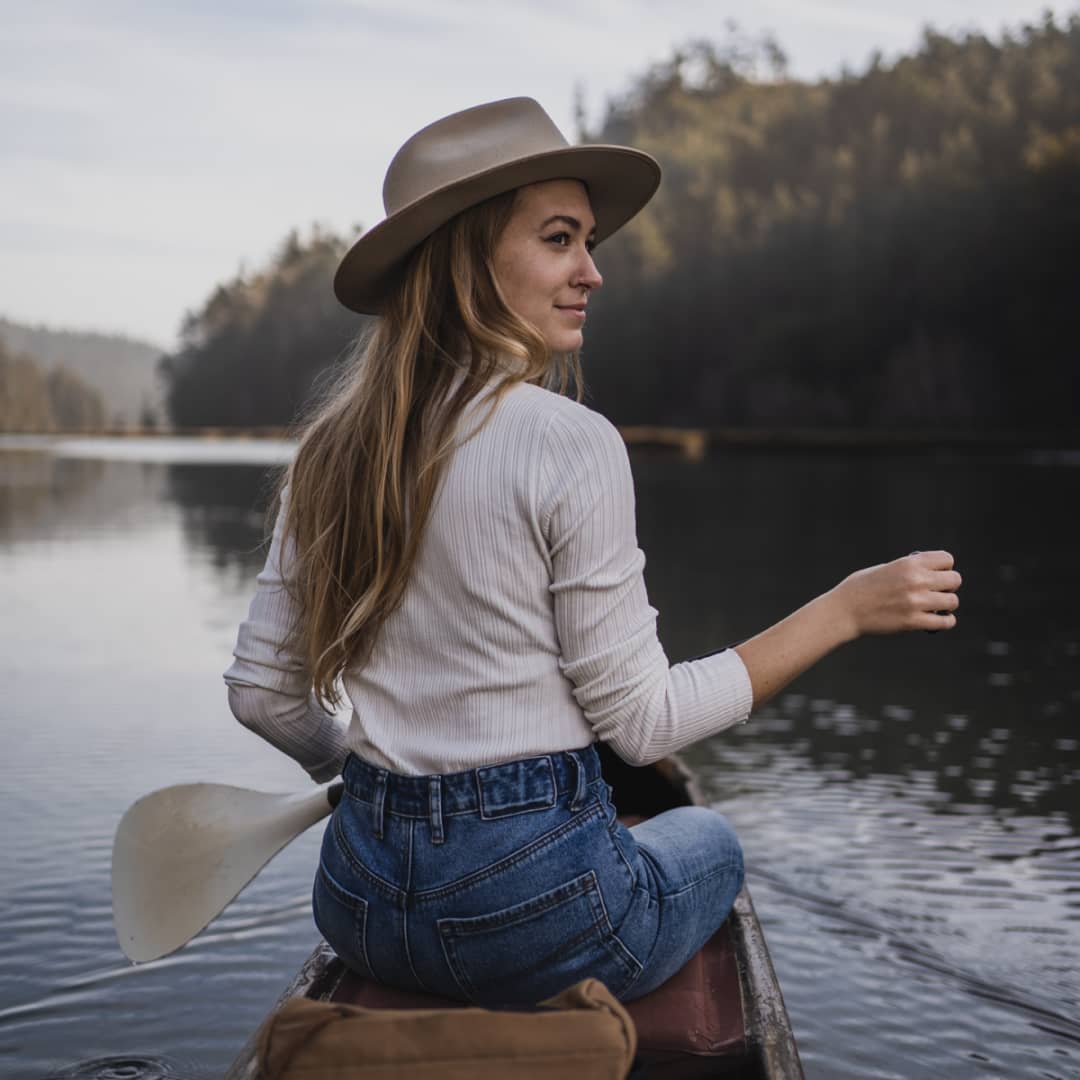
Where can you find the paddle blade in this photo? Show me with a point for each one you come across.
(183, 853)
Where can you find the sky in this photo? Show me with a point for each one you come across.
(150, 150)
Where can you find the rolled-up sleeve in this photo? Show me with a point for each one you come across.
(270, 688)
(629, 693)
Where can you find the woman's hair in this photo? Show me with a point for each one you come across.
(369, 464)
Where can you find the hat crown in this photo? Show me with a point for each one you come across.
(466, 144)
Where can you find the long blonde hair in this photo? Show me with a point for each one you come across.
(368, 467)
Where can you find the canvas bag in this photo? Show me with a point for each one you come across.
(582, 1033)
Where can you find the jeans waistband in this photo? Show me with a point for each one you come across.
(492, 790)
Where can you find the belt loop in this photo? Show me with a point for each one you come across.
(378, 804)
(578, 801)
(435, 807)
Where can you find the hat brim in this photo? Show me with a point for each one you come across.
(620, 180)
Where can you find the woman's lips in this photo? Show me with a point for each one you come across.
(575, 312)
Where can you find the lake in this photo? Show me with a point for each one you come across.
(910, 809)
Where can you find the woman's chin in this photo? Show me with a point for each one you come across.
(565, 342)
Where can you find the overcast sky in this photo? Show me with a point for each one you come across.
(149, 149)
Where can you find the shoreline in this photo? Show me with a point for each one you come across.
(691, 443)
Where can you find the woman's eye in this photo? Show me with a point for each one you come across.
(563, 239)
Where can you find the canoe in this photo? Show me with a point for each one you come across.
(723, 1015)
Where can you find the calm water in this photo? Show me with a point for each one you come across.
(910, 811)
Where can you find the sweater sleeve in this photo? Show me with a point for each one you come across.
(610, 651)
(269, 683)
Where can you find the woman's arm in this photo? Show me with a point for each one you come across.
(629, 694)
(610, 653)
(917, 592)
(269, 682)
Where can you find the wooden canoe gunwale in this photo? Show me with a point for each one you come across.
(770, 1043)
(768, 1026)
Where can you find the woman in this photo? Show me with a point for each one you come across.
(456, 545)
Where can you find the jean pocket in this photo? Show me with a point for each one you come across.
(528, 952)
(341, 917)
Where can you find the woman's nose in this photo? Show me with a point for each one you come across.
(588, 276)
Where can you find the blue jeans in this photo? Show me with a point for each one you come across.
(504, 885)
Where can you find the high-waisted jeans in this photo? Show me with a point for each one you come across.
(506, 884)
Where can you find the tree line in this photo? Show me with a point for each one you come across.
(254, 353)
(122, 370)
(32, 400)
(888, 248)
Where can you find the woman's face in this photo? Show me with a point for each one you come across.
(543, 260)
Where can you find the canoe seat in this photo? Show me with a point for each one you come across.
(699, 1010)
(690, 1026)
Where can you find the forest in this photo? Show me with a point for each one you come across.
(101, 382)
(890, 248)
(34, 400)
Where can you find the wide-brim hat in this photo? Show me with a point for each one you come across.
(473, 155)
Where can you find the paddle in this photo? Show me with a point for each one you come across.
(183, 853)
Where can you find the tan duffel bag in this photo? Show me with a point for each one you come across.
(582, 1033)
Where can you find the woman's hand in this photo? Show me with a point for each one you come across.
(917, 592)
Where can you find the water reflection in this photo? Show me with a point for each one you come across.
(1011, 769)
(223, 507)
(224, 512)
(910, 810)
(39, 493)
(120, 615)
(934, 928)
(990, 710)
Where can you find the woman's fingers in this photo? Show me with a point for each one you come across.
(945, 580)
(916, 592)
(941, 588)
(933, 560)
(938, 601)
(942, 601)
(941, 560)
(948, 602)
(941, 580)
(940, 620)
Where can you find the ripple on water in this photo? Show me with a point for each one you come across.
(940, 926)
(913, 876)
(129, 1068)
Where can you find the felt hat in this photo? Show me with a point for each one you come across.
(473, 155)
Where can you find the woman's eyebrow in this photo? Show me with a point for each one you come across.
(567, 219)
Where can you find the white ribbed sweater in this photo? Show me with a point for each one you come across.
(525, 627)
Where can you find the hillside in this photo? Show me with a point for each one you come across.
(887, 250)
(122, 370)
